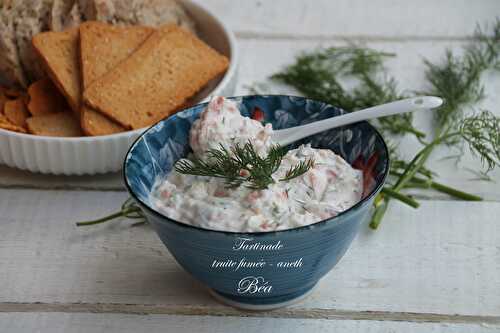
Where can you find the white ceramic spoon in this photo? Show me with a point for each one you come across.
(286, 136)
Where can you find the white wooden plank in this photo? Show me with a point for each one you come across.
(110, 323)
(442, 260)
(10, 177)
(354, 18)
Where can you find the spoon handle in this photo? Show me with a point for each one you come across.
(289, 135)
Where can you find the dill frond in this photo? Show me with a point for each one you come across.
(298, 170)
(458, 78)
(242, 165)
(481, 132)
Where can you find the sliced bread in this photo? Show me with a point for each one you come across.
(32, 17)
(11, 72)
(151, 13)
(64, 14)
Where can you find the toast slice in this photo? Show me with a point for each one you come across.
(168, 68)
(94, 123)
(102, 47)
(59, 52)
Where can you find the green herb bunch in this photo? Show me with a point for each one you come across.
(320, 75)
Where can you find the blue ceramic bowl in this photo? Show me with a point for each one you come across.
(282, 266)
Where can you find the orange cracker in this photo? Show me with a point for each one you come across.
(7, 125)
(45, 98)
(3, 99)
(55, 124)
(11, 93)
(15, 111)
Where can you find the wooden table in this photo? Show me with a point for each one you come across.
(435, 269)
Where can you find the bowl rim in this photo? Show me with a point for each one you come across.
(319, 223)
(230, 72)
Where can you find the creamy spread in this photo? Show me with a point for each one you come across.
(222, 124)
(328, 188)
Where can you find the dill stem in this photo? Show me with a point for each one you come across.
(379, 213)
(121, 213)
(414, 131)
(416, 163)
(401, 197)
(414, 184)
(417, 133)
(400, 165)
(455, 193)
(419, 160)
(417, 182)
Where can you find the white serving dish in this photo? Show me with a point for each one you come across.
(91, 155)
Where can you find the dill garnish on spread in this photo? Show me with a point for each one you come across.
(242, 165)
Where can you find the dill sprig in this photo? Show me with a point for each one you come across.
(324, 74)
(297, 170)
(458, 78)
(221, 165)
(481, 133)
(242, 165)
